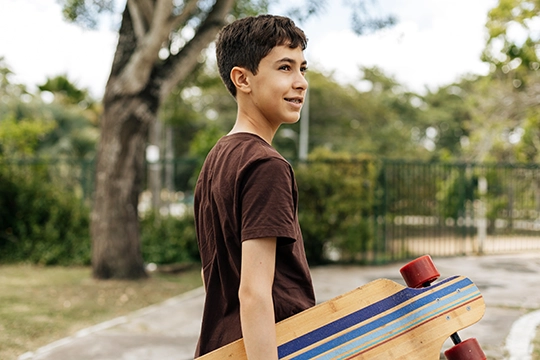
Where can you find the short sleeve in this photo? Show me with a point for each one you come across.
(269, 202)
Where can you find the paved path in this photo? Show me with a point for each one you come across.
(510, 285)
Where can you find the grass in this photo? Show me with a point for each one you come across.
(536, 346)
(39, 305)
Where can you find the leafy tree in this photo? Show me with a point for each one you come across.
(66, 124)
(378, 122)
(503, 116)
(512, 43)
(8, 90)
(62, 88)
(337, 192)
(22, 128)
(199, 104)
(492, 118)
(528, 149)
(446, 113)
(513, 48)
(77, 116)
(19, 138)
(494, 113)
(40, 221)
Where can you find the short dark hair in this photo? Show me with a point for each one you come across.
(246, 41)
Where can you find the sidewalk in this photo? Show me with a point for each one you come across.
(510, 285)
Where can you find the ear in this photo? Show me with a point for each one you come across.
(240, 79)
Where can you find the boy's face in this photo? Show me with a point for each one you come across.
(278, 89)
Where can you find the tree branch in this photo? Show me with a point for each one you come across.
(189, 8)
(140, 23)
(135, 75)
(146, 8)
(179, 66)
(163, 11)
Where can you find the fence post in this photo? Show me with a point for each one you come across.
(381, 248)
(481, 214)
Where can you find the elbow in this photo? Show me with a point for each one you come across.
(253, 297)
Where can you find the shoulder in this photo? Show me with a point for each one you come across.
(242, 156)
(264, 156)
(249, 148)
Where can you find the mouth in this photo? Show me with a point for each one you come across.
(295, 100)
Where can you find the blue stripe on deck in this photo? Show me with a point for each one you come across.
(401, 325)
(361, 315)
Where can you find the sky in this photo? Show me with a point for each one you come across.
(434, 43)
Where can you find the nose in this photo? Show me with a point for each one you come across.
(300, 82)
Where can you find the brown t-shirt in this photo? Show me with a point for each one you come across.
(246, 190)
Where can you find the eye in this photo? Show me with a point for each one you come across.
(285, 67)
(303, 69)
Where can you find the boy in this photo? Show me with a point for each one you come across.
(254, 265)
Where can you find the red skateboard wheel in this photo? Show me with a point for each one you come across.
(420, 272)
(466, 350)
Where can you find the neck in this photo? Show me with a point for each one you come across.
(247, 125)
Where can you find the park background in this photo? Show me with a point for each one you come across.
(388, 166)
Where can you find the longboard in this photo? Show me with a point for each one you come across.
(380, 320)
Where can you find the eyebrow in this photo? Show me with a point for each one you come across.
(289, 60)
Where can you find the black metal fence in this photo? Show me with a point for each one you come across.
(453, 209)
(406, 209)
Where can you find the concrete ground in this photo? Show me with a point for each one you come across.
(510, 285)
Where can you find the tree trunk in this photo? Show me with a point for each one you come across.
(116, 248)
(138, 83)
(115, 223)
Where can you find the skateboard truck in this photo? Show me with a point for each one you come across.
(420, 273)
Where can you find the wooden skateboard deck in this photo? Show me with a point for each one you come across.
(380, 320)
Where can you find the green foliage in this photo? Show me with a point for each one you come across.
(508, 52)
(200, 105)
(40, 222)
(61, 86)
(42, 217)
(201, 145)
(67, 125)
(43, 223)
(85, 12)
(336, 200)
(204, 141)
(377, 122)
(75, 134)
(448, 111)
(243, 8)
(362, 14)
(20, 138)
(456, 191)
(501, 111)
(76, 114)
(8, 90)
(528, 149)
(168, 240)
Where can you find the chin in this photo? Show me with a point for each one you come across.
(292, 120)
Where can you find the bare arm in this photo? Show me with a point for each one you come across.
(255, 294)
